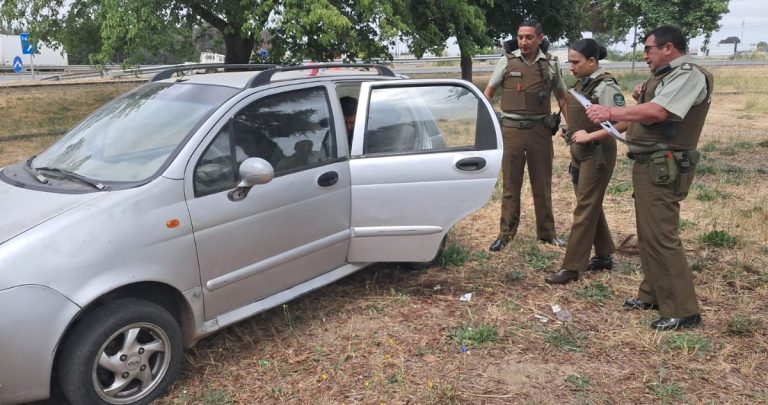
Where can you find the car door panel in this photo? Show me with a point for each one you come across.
(284, 232)
(407, 191)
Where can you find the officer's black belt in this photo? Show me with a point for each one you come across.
(520, 124)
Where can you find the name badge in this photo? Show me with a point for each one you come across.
(515, 74)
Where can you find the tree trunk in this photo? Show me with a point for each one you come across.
(466, 67)
(239, 49)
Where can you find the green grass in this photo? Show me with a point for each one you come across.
(698, 267)
(688, 343)
(740, 325)
(628, 81)
(666, 393)
(454, 255)
(578, 381)
(756, 106)
(711, 169)
(626, 267)
(718, 238)
(216, 396)
(514, 276)
(707, 194)
(595, 290)
(736, 147)
(619, 188)
(402, 299)
(708, 147)
(564, 338)
(535, 259)
(469, 336)
(684, 224)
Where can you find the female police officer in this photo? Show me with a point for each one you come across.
(593, 156)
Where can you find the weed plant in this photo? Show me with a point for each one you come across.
(480, 335)
(596, 291)
(719, 239)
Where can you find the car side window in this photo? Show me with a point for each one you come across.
(419, 119)
(290, 130)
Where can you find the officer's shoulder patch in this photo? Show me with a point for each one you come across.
(686, 66)
(618, 99)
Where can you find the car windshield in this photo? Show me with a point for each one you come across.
(131, 138)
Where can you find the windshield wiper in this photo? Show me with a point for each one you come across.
(71, 175)
(39, 177)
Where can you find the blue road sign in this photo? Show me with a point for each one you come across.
(263, 53)
(17, 66)
(27, 48)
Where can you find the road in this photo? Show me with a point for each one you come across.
(403, 66)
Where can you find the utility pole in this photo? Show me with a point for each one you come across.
(634, 49)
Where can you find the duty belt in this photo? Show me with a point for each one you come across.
(640, 157)
(685, 158)
(520, 124)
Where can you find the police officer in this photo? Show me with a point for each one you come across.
(662, 138)
(527, 76)
(593, 156)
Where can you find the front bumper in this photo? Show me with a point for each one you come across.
(32, 320)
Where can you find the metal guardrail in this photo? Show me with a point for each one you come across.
(406, 65)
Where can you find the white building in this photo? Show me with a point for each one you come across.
(10, 47)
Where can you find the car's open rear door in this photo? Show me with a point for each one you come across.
(425, 153)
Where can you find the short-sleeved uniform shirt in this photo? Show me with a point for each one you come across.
(555, 77)
(608, 92)
(680, 90)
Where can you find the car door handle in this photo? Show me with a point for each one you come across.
(328, 179)
(471, 164)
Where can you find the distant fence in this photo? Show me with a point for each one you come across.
(481, 63)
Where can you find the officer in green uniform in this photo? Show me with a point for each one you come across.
(593, 156)
(527, 76)
(662, 138)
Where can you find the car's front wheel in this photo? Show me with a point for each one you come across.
(126, 352)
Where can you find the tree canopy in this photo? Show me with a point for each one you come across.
(694, 17)
(160, 31)
(125, 30)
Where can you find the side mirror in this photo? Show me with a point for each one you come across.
(253, 171)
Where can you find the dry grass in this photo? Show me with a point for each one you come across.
(388, 335)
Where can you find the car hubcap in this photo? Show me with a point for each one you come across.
(131, 363)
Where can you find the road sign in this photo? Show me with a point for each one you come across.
(17, 66)
(27, 48)
(263, 53)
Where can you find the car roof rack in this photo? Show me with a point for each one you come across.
(168, 73)
(265, 77)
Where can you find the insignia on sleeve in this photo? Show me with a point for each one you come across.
(618, 99)
(686, 66)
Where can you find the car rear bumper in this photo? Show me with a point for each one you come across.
(32, 320)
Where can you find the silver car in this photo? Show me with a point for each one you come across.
(198, 200)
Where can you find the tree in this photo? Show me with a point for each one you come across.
(477, 24)
(732, 40)
(694, 17)
(762, 46)
(431, 22)
(321, 30)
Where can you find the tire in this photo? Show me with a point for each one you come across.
(435, 260)
(95, 355)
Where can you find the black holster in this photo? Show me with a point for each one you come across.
(598, 155)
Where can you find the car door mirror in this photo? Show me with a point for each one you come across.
(253, 171)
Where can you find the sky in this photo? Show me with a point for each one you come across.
(746, 19)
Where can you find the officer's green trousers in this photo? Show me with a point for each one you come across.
(533, 146)
(668, 281)
(589, 225)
